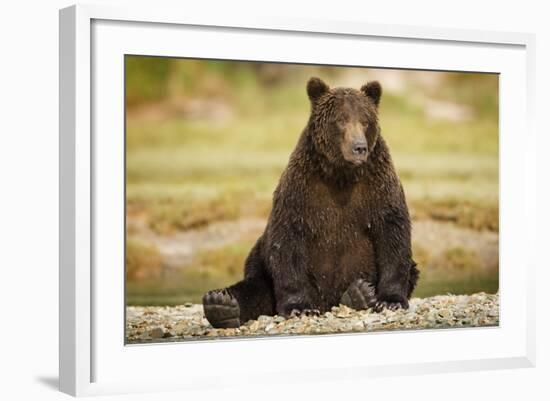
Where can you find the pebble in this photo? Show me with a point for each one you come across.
(157, 332)
(187, 321)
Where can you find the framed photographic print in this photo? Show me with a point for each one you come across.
(336, 198)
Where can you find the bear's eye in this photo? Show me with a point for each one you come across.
(340, 126)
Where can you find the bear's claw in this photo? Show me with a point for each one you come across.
(391, 305)
(381, 305)
(221, 309)
(304, 312)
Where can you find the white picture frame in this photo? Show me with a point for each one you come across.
(93, 357)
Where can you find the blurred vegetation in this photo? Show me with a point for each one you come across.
(143, 261)
(206, 142)
(212, 269)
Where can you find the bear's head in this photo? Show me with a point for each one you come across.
(344, 122)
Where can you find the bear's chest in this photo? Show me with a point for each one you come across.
(336, 212)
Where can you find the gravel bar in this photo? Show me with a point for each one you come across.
(146, 324)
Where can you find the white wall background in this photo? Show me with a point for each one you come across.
(29, 197)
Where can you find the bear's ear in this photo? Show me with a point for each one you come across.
(373, 90)
(316, 88)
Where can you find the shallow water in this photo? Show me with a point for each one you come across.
(177, 292)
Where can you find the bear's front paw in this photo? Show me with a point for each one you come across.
(221, 309)
(391, 302)
(359, 295)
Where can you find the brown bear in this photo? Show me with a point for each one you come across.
(339, 229)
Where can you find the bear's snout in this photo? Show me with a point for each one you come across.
(356, 151)
(354, 145)
(359, 148)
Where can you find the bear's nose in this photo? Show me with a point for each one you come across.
(360, 148)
